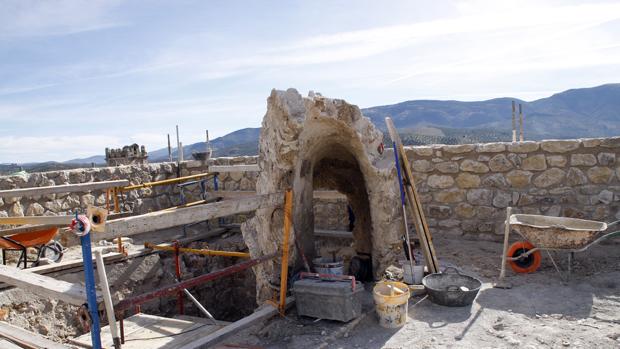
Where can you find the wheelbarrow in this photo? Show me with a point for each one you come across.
(545, 233)
(41, 240)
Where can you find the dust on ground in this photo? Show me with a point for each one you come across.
(540, 311)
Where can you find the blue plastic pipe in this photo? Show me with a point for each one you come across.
(91, 293)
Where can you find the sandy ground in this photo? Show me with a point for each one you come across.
(540, 311)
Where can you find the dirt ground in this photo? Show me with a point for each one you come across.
(540, 311)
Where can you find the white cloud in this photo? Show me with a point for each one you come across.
(19, 18)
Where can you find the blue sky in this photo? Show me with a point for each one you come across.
(77, 76)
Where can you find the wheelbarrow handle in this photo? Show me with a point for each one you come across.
(612, 223)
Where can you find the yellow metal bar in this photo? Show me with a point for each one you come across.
(166, 181)
(288, 208)
(198, 251)
(116, 207)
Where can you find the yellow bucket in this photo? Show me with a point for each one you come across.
(391, 303)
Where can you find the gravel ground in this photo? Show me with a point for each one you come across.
(540, 311)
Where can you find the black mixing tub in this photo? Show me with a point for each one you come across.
(451, 288)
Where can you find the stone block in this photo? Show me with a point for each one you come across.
(422, 166)
(440, 181)
(575, 176)
(490, 148)
(605, 196)
(606, 159)
(459, 149)
(422, 151)
(467, 180)
(502, 199)
(523, 147)
(612, 142)
(600, 175)
(582, 160)
(496, 180)
(556, 160)
(437, 211)
(447, 167)
(474, 166)
(519, 178)
(549, 177)
(500, 163)
(465, 210)
(16, 210)
(480, 196)
(449, 196)
(559, 146)
(591, 142)
(35, 209)
(449, 223)
(534, 163)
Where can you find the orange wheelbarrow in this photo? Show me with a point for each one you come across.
(41, 240)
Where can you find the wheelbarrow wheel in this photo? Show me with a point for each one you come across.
(527, 264)
(53, 251)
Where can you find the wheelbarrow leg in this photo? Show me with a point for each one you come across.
(570, 264)
(501, 283)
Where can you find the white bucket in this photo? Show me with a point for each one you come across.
(391, 302)
(410, 278)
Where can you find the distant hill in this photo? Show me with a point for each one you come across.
(238, 143)
(97, 159)
(584, 112)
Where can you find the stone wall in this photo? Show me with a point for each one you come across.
(466, 188)
(138, 201)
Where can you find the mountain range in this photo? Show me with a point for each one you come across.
(575, 113)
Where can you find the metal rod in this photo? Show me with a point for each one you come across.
(167, 290)
(116, 206)
(205, 252)
(107, 299)
(178, 143)
(167, 181)
(288, 206)
(91, 293)
(177, 272)
(521, 137)
(199, 306)
(514, 123)
(402, 200)
(169, 149)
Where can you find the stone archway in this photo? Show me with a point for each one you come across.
(317, 142)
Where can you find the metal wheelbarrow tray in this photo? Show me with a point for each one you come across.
(557, 233)
(549, 233)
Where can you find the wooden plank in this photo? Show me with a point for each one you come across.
(333, 233)
(39, 220)
(426, 240)
(234, 168)
(44, 286)
(237, 194)
(25, 338)
(265, 312)
(151, 331)
(65, 188)
(187, 215)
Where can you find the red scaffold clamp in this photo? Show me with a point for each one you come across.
(80, 225)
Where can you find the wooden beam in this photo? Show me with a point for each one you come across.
(39, 220)
(333, 233)
(65, 188)
(318, 194)
(44, 286)
(167, 181)
(234, 168)
(27, 339)
(171, 218)
(263, 313)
